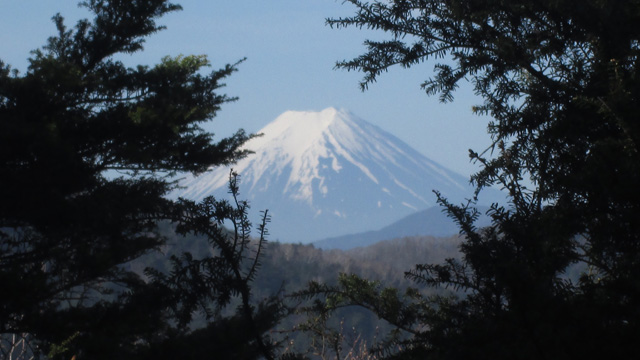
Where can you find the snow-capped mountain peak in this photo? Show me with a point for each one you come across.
(330, 173)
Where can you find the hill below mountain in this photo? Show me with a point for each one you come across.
(432, 222)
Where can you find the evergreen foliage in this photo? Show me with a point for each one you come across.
(89, 150)
(561, 83)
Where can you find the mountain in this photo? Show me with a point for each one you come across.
(330, 173)
(430, 222)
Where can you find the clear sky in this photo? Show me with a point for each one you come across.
(291, 55)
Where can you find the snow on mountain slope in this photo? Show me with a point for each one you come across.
(330, 173)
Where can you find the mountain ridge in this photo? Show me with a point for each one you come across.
(432, 222)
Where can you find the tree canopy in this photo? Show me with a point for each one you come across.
(560, 81)
(89, 151)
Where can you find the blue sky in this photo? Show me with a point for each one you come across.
(291, 55)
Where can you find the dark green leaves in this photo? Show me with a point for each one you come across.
(560, 82)
(89, 151)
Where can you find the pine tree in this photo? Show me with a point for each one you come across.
(89, 150)
(560, 81)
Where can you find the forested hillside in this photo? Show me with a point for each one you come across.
(290, 267)
(286, 269)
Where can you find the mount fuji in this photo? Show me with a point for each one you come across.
(330, 173)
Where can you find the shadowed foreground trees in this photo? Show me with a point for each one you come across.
(88, 151)
(560, 81)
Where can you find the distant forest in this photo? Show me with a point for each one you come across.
(288, 268)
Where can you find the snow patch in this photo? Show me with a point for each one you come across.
(403, 186)
(409, 206)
